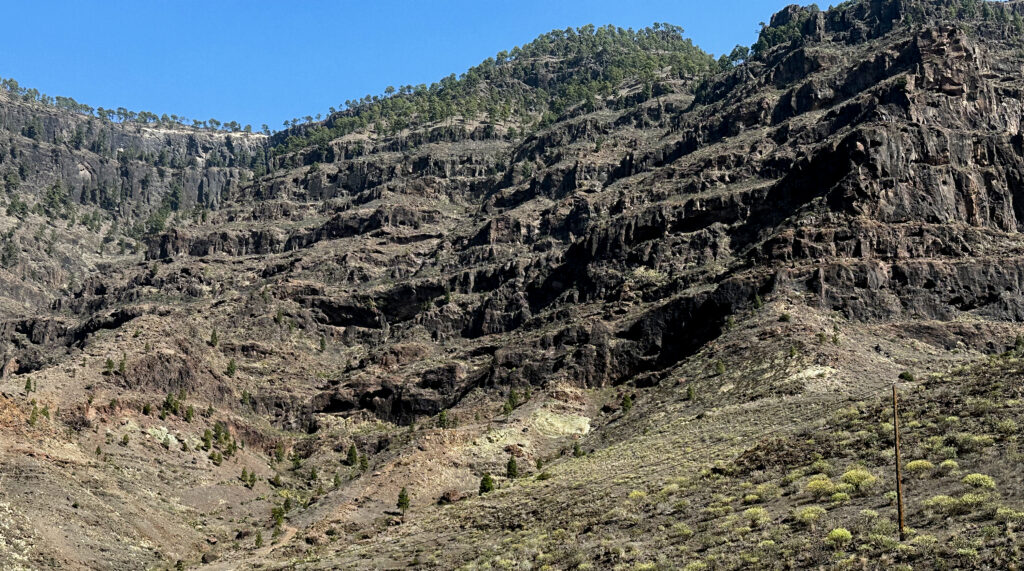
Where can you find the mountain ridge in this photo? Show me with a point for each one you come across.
(673, 306)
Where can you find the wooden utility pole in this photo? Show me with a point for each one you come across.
(899, 475)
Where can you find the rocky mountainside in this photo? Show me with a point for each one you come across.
(657, 301)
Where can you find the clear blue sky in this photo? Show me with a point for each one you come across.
(263, 61)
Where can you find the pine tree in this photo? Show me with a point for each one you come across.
(512, 468)
(353, 455)
(259, 539)
(28, 385)
(232, 368)
(627, 403)
(214, 339)
(403, 501)
(486, 484)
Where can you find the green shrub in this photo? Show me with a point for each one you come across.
(1007, 427)
(1008, 515)
(809, 515)
(820, 486)
(839, 537)
(822, 466)
(512, 468)
(980, 481)
(637, 496)
(974, 501)
(756, 516)
(920, 467)
(949, 466)
(486, 484)
(860, 479)
(941, 504)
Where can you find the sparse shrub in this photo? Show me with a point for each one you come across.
(768, 490)
(820, 486)
(941, 504)
(840, 498)
(1008, 515)
(974, 501)
(920, 467)
(949, 466)
(1007, 427)
(966, 442)
(681, 530)
(839, 537)
(809, 515)
(860, 479)
(822, 466)
(756, 516)
(637, 496)
(980, 481)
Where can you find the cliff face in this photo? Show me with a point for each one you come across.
(128, 168)
(859, 178)
(872, 167)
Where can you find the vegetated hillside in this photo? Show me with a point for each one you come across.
(601, 302)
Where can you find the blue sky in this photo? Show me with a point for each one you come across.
(267, 61)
